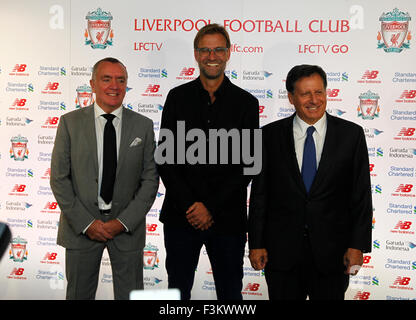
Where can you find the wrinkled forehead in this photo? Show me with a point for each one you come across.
(313, 79)
(110, 69)
(212, 40)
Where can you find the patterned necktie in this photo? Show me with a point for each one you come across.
(309, 159)
(109, 159)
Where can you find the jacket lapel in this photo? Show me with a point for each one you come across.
(90, 135)
(291, 153)
(126, 127)
(327, 153)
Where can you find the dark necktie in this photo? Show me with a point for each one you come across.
(109, 159)
(309, 159)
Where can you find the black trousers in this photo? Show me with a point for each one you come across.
(226, 254)
(305, 280)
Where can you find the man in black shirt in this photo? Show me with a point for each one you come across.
(205, 202)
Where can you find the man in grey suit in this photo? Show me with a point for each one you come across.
(104, 202)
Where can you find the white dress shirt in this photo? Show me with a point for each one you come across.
(299, 135)
(99, 130)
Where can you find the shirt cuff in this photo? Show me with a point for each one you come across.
(85, 230)
(125, 227)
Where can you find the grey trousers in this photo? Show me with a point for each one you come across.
(83, 267)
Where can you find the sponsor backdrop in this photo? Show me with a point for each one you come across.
(367, 49)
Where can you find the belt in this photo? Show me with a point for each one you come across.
(105, 212)
(306, 232)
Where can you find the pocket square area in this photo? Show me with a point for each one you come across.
(135, 142)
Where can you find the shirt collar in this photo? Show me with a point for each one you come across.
(221, 89)
(98, 111)
(302, 126)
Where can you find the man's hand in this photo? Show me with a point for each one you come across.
(97, 232)
(258, 258)
(199, 216)
(353, 260)
(113, 227)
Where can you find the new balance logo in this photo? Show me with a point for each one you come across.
(370, 74)
(407, 132)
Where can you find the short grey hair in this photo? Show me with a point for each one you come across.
(108, 59)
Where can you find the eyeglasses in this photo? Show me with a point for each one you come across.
(218, 51)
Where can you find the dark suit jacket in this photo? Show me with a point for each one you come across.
(337, 211)
(222, 188)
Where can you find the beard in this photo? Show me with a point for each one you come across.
(210, 75)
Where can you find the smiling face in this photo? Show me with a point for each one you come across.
(212, 65)
(109, 85)
(309, 98)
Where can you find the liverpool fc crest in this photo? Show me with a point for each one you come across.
(84, 96)
(99, 33)
(18, 150)
(369, 107)
(394, 35)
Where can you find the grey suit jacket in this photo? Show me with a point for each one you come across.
(74, 178)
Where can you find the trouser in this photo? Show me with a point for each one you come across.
(83, 266)
(225, 252)
(305, 280)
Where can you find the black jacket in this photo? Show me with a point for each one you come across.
(337, 210)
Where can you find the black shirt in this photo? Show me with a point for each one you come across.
(221, 187)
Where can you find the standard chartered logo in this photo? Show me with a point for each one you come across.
(55, 275)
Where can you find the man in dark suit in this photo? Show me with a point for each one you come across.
(205, 202)
(104, 178)
(310, 207)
